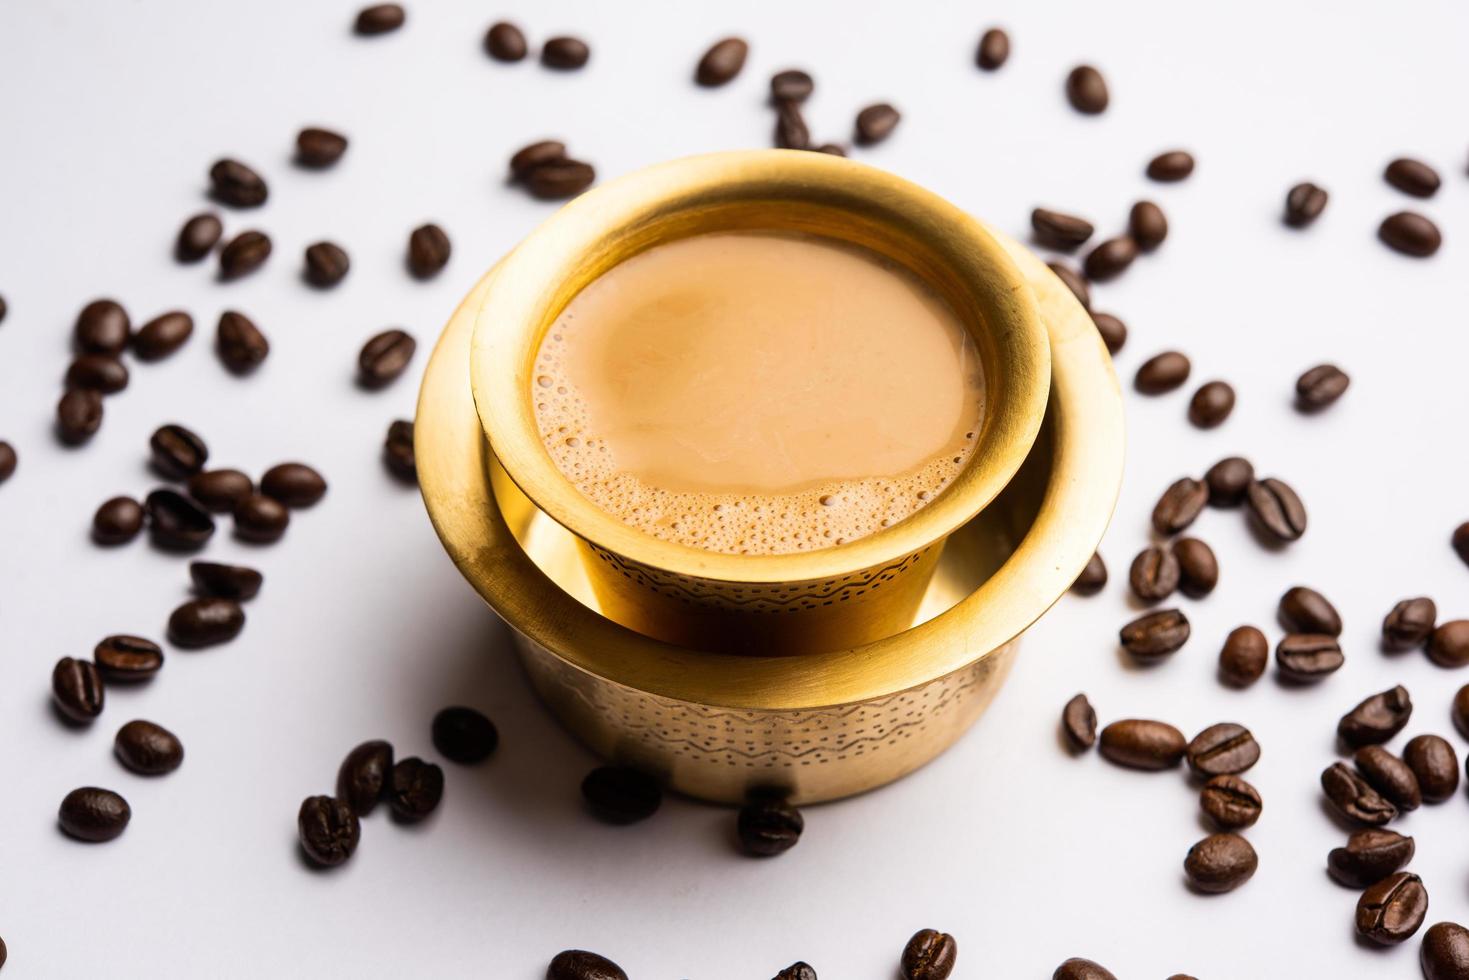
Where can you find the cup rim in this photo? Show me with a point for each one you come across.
(536, 280)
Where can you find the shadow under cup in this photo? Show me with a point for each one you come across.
(809, 602)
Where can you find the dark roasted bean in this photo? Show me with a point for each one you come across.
(797, 971)
(560, 179)
(993, 50)
(220, 490)
(1228, 481)
(1154, 574)
(565, 53)
(1086, 90)
(1445, 952)
(1307, 657)
(1198, 568)
(1376, 719)
(578, 964)
(326, 264)
(1391, 910)
(123, 658)
(1354, 798)
(1460, 710)
(1410, 233)
(1162, 373)
(1073, 281)
(243, 254)
(8, 460)
(1180, 505)
(1276, 509)
(1369, 856)
(242, 347)
(722, 62)
(328, 829)
(148, 749)
(1409, 624)
(1304, 204)
(162, 335)
(379, 19)
(528, 158)
(1147, 224)
(1156, 634)
(415, 788)
(102, 328)
(1092, 578)
(1390, 776)
(363, 777)
(1225, 749)
(175, 522)
(1142, 744)
(1220, 863)
(791, 85)
(505, 42)
(1113, 331)
(1211, 404)
(790, 127)
(1077, 968)
(1174, 165)
(76, 687)
(1460, 541)
(78, 415)
(1055, 229)
(198, 237)
(260, 518)
(317, 147)
(768, 827)
(398, 451)
(464, 735)
(1304, 610)
(1230, 802)
(619, 795)
(206, 621)
(117, 521)
(1320, 386)
(237, 185)
(1079, 722)
(876, 123)
(98, 371)
(293, 484)
(177, 452)
(1448, 645)
(93, 814)
(1110, 259)
(225, 581)
(384, 357)
(1412, 177)
(1244, 655)
(1435, 765)
(929, 955)
(428, 251)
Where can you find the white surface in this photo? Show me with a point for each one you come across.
(110, 118)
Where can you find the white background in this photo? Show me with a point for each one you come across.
(110, 115)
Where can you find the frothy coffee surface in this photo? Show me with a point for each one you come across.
(754, 393)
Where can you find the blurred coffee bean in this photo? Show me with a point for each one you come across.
(1092, 578)
(1156, 634)
(205, 622)
(1320, 386)
(1230, 802)
(791, 85)
(1142, 744)
(78, 415)
(8, 460)
(117, 521)
(175, 522)
(148, 749)
(260, 519)
(876, 123)
(1055, 229)
(505, 42)
(578, 964)
(317, 147)
(1198, 568)
(384, 357)
(797, 971)
(1304, 204)
(1412, 177)
(1390, 911)
(1162, 373)
(1225, 749)
(93, 814)
(1304, 610)
(125, 659)
(1228, 481)
(1154, 574)
(178, 453)
(768, 827)
(1445, 952)
(565, 53)
(1211, 404)
(326, 264)
(102, 328)
(1086, 90)
(220, 490)
(162, 335)
(464, 735)
(363, 777)
(529, 157)
(1460, 541)
(1113, 331)
(1077, 968)
(618, 795)
(328, 829)
(1074, 282)
(242, 347)
(398, 451)
(1220, 863)
(557, 180)
(994, 49)
(1354, 798)
(1276, 509)
(1390, 776)
(293, 484)
(76, 688)
(414, 789)
(791, 132)
(98, 372)
(1079, 722)
(243, 254)
(1308, 657)
(1460, 710)
(1174, 165)
(380, 18)
(1110, 259)
(237, 185)
(929, 955)
(1148, 225)
(428, 250)
(1410, 233)
(1180, 505)
(722, 62)
(1435, 765)
(225, 581)
(1368, 857)
(198, 237)
(1377, 718)
(1244, 655)
(1448, 645)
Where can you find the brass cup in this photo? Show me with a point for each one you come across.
(809, 602)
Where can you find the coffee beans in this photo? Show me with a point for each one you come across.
(1354, 798)
(1445, 952)
(97, 371)
(237, 185)
(326, 264)
(722, 62)
(797, 971)
(1391, 910)
(78, 415)
(328, 829)
(76, 688)
(1142, 744)
(428, 251)
(1230, 802)
(198, 237)
(505, 42)
(1412, 177)
(162, 335)
(1435, 765)
(1448, 645)
(1211, 404)
(1320, 386)
(1308, 657)
(125, 659)
(93, 814)
(1460, 711)
(1390, 776)
(1377, 719)
(380, 19)
(1460, 542)
(1154, 574)
(8, 460)
(1147, 224)
(225, 581)
(560, 179)
(1077, 968)
(1228, 481)
(994, 49)
(102, 328)
(1180, 505)
(464, 735)
(1304, 610)
(293, 484)
(1079, 722)
(317, 147)
(1113, 331)
(530, 157)
(1074, 282)
(1162, 373)
(1055, 229)
(565, 53)
(1086, 90)
(220, 490)
(1410, 233)
(619, 795)
(398, 451)
(1222, 749)
(1220, 863)
(1174, 165)
(384, 357)
(1197, 566)
(148, 749)
(175, 522)
(1368, 857)
(363, 776)
(578, 964)
(929, 955)
(1243, 657)
(1155, 635)
(1110, 259)
(415, 788)
(768, 827)
(791, 85)
(261, 519)
(117, 521)
(1304, 203)
(243, 254)
(876, 123)
(1276, 510)
(206, 622)
(177, 452)
(242, 347)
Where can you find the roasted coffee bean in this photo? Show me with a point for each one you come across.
(225, 581)
(1147, 225)
(1228, 481)
(797, 971)
(790, 127)
(464, 735)
(260, 519)
(1307, 657)
(1230, 802)
(1445, 952)
(1086, 90)
(148, 749)
(428, 251)
(1092, 578)
(722, 62)
(1448, 645)
(929, 955)
(1154, 574)
(1377, 719)
(175, 522)
(1354, 798)
(398, 451)
(619, 795)
(1275, 509)
(1435, 765)
(293, 484)
(1304, 204)
(237, 185)
(328, 829)
(1460, 710)
(78, 415)
(1220, 863)
(528, 158)
(380, 19)
(243, 254)
(1079, 722)
(93, 814)
(1320, 386)
(565, 53)
(1460, 541)
(1412, 177)
(76, 687)
(1390, 776)
(363, 776)
(1180, 505)
(1142, 744)
(220, 490)
(1174, 165)
(1110, 259)
(102, 328)
(177, 452)
(505, 42)
(326, 264)
(1304, 610)
(384, 357)
(124, 659)
(1197, 566)
(1073, 281)
(1368, 857)
(1211, 404)
(317, 147)
(117, 521)
(1244, 655)
(876, 123)
(1391, 910)
(560, 179)
(198, 237)
(8, 460)
(791, 85)
(1055, 229)
(97, 371)
(415, 788)
(1077, 968)
(205, 622)
(242, 347)
(1156, 634)
(768, 827)
(1162, 373)
(1225, 749)
(162, 335)
(3, 951)
(994, 49)
(1410, 233)
(1113, 331)
(578, 964)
